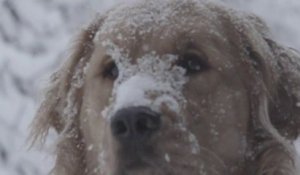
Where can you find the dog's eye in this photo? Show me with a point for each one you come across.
(111, 71)
(193, 63)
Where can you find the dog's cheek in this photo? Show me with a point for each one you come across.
(219, 119)
(95, 128)
(96, 135)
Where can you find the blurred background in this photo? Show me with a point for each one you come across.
(35, 36)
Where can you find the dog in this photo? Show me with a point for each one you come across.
(174, 87)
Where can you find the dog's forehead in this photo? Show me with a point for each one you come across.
(160, 26)
(158, 20)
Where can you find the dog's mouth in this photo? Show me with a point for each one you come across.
(138, 160)
(146, 163)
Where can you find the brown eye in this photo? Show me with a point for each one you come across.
(111, 71)
(193, 63)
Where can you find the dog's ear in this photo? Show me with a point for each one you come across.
(280, 72)
(62, 100)
(285, 109)
(276, 69)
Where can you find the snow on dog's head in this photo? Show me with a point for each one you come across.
(173, 87)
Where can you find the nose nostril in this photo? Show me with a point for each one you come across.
(119, 128)
(146, 124)
(142, 125)
(134, 123)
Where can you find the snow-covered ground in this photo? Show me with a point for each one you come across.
(34, 38)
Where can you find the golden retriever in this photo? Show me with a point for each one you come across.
(174, 87)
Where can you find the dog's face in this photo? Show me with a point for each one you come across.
(172, 87)
(165, 100)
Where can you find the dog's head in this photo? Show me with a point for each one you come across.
(176, 87)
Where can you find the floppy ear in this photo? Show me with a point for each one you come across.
(274, 80)
(62, 100)
(278, 69)
(285, 111)
(277, 118)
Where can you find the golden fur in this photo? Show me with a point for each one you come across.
(243, 111)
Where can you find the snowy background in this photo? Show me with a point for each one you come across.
(34, 38)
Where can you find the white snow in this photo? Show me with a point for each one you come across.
(90, 147)
(143, 84)
(195, 148)
(281, 16)
(167, 157)
(133, 92)
(34, 37)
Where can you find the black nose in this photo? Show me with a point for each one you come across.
(135, 124)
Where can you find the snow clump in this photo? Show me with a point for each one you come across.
(151, 81)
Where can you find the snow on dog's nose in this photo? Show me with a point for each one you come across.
(151, 81)
(144, 90)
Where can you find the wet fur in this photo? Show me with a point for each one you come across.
(273, 92)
